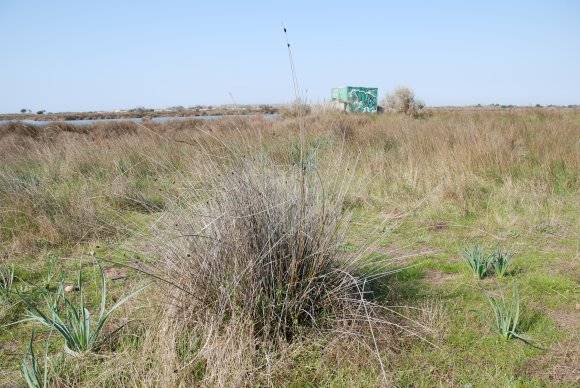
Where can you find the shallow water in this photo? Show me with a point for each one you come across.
(139, 120)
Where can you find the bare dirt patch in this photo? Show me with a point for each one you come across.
(115, 273)
(394, 255)
(437, 225)
(434, 276)
(561, 364)
(566, 320)
(404, 255)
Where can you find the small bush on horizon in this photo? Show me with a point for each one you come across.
(403, 101)
(296, 109)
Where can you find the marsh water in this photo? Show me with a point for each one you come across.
(139, 120)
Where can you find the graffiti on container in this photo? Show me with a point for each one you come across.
(363, 100)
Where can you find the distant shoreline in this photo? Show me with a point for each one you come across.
(135, 114)
(148, 114)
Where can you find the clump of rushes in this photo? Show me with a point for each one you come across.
(267, 253)
(505, 315)
(74, 324)
(477, 260)
(256, 259)
(501, 260)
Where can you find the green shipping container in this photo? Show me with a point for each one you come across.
(356, 98)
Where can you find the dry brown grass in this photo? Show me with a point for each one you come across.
(62, 184)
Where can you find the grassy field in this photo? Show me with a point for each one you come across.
(317, 251)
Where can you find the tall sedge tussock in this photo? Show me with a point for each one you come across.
(254, 263)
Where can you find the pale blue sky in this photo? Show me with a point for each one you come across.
(103, 55)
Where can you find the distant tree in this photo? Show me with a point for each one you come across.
(23, 110)
(403, 101)
(538, 106)
(40, 112)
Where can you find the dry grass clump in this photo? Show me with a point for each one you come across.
(296, 109)
(254, 266)
(17, 128)
(346, 126)
(61, 185)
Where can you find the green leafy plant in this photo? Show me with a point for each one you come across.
(74, 324)
(477, 260)
(309, 154)
(501, 260)
(50, 271)
(505, 315)
(6, 281)
(123, 166)
(30, 366)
